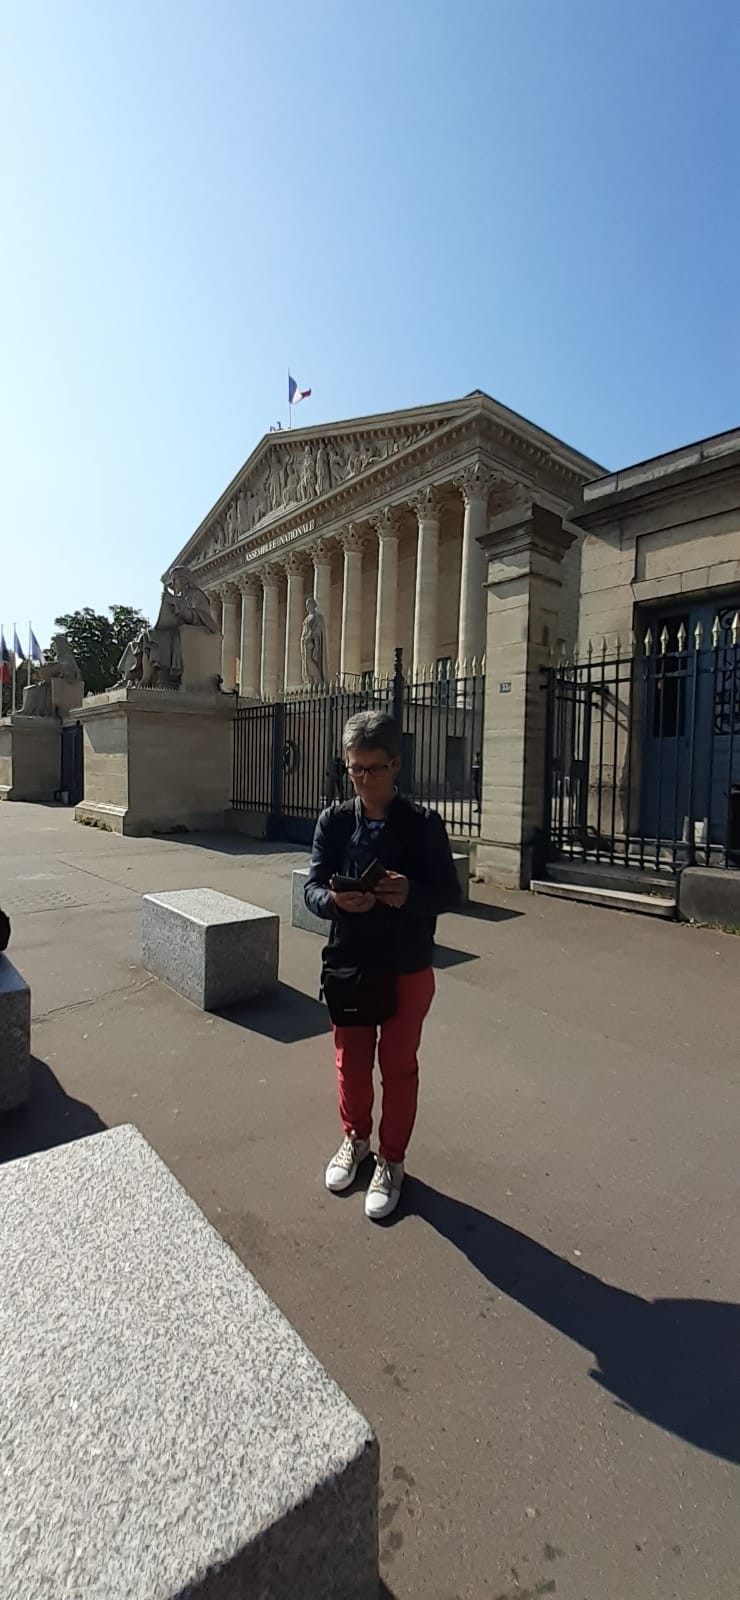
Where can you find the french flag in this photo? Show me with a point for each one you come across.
(294, 393)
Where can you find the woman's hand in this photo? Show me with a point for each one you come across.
(392, 890)
(353, 902)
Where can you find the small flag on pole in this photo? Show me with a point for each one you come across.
(35, 653)
(295, 395)
(4, 659)
(18, 648)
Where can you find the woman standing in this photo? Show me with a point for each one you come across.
(378, 963)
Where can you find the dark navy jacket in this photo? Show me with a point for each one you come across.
(414, 842)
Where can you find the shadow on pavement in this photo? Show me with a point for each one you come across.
(674, 1362)
(286, 1015)
(444, 956)
(51, 1117)
(486, 913)
(233, 844)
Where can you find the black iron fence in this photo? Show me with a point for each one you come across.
(288, 759)
(643, 752)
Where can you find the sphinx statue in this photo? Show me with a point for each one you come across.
(60, 684)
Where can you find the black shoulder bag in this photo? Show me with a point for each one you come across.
(356, 996)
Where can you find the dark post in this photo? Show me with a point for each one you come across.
(278, 729)
(397, 708)
(398, 686)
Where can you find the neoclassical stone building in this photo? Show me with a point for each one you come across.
(379, 518)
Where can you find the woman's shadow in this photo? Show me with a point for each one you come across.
(675, 1362)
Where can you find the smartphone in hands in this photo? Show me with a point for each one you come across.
(364, 885)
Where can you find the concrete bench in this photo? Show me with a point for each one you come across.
(15, 1037)
(301, 917)
(168, 1430)
(211, 948)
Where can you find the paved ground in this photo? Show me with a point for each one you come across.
(547, 1340)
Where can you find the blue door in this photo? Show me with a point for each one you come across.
(691, 730)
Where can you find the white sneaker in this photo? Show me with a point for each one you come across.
(342, 1169)
(385, 1190)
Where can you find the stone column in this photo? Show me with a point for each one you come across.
(350, 658)
(294, 614)
(214, 596)
(427, 506)
(475, 484)
(229, 636)
(249, 681)
(386, 618)
(270, 666)
(524, 548)
(321, 557)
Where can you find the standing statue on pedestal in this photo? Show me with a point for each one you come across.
(313, 646)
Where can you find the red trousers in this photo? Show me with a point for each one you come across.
(399, 1067)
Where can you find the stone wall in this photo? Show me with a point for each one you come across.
(655, 554)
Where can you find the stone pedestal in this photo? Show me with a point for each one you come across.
(166, 1431)
(157, 760)
(30, 758)
(525, 548)
(211, 948)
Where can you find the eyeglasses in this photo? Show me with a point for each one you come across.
(369, 772)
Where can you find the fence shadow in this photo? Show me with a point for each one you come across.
(674, 1362)
(445, 956)
(235, 844)
(481, 912)
(287, 1015)
(51, 1117)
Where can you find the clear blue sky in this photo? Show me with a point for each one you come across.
(407, 200)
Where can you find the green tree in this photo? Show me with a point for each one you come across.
(98, 642)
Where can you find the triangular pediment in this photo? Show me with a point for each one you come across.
(299, 468)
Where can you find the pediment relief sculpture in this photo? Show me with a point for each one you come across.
(294, 473)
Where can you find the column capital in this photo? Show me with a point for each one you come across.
(387, 522)
(476, 481)
(294, 564)
(427, 502)
(352, 539)
(269, 575)
(321, 551)
(250, 584)
(228, 592)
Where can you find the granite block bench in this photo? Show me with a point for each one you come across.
(168, 1430)
(211, 948)
(301, 917)
(15, 1037)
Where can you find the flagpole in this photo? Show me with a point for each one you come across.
(14, 668)
(28, 663)
(290, 408)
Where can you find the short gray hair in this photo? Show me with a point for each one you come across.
(373, 730)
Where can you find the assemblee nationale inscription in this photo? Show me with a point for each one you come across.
(281, 539)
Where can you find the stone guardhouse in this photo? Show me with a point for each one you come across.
(558, 642)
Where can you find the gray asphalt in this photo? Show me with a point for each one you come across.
(547, 1338)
